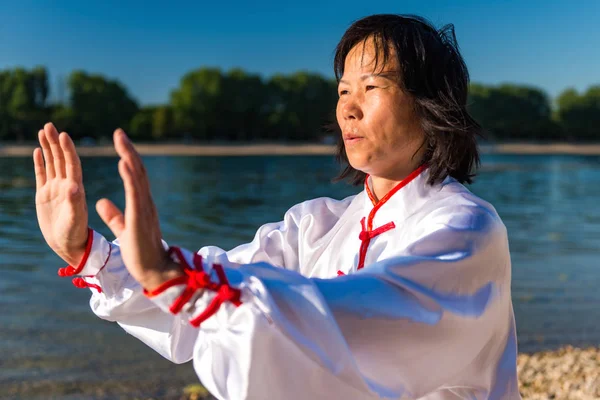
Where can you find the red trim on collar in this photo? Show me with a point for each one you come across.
(369, 193)
(399, 186)
(367, 233)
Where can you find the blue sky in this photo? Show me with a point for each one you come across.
(150, 45)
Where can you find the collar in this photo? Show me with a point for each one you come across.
(403, 199)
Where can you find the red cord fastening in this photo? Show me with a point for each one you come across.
(196, 279)
(231, 294)
(82, 284)
(224, 293)
(365, 237)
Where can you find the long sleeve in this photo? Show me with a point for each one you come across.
(117, 297)
(434, 322)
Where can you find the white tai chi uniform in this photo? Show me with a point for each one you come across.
(408, 298)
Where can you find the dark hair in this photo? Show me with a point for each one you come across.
(434, 75)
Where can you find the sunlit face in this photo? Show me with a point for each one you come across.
(380, 129)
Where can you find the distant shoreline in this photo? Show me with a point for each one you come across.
(25, 150)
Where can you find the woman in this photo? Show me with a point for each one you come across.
(400, 292)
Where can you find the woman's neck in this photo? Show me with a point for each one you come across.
(380, 186)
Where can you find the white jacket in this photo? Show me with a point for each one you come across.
(428, 315)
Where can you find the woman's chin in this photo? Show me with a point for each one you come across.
(358, 164)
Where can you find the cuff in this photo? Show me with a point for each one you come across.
(97, 254)
(199, 293)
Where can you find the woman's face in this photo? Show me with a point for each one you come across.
(380, 129)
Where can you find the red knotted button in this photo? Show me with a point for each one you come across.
(82, 284)
(365, 237)
(66, 271)
(79, 283)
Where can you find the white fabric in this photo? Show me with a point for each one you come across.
(429, 317)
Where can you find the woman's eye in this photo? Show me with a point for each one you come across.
(342, 92)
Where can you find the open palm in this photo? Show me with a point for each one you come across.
(63, 216)
(60, 197)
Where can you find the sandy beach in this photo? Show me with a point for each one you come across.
(19, 150)
(186, 150)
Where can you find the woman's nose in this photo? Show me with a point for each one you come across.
(351, 110)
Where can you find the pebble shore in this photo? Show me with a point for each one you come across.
(565, 374)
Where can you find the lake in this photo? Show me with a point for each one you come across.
(51, 345)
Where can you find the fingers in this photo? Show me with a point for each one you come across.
(127, 152)
(57, 153)
(140, 211)
(40, 171)
(132, 192)
(111, 215)
(125, 149)
(72, 161)
(48, 158)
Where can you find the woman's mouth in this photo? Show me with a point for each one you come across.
(351, 138)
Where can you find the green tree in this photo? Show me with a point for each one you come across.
(196, 103)
(63, 117)
(163, 123)
(212, 105)
(23, 107)
(99, 105)
(300, 105)
(141, 124)
(152, 123)
(242, 109)
(512, 112)
(579, 115)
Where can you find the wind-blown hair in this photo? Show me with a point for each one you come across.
(433, 73)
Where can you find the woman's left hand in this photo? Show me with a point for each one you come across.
(138, 230)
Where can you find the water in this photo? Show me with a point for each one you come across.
(51, 345)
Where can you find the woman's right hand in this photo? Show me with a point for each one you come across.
(60, 198)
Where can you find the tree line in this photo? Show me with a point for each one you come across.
(212, 105)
